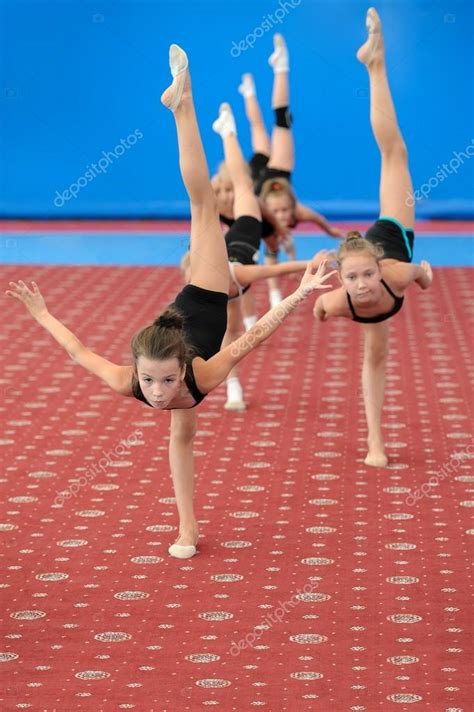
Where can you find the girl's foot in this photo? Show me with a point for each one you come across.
(279, 60)
(247, 88)
(249, 321)
(180, 89)
(372, 49)
(224, 125)
(376, 456)
(185, 545)
(235, 396)
(275, 297)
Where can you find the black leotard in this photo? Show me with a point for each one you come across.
(205, 323)
(380, 317)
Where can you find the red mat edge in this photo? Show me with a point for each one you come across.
(428, 226)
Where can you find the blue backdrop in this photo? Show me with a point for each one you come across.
(81, 81)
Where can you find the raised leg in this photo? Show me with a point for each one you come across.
(373, 388)
(258, 132)
(282, 154)
(208, 252)
(245, 200)
(396, 189)
(182, 432)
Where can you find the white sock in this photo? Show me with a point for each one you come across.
(234, 390)
(275, 297)
(249, 321)
(279, 60)
(224, 125)
(247, 87)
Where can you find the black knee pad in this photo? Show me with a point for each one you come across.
(283, 118)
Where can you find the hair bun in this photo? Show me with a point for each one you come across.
(170, 319)
(353, 235)
(276, 185)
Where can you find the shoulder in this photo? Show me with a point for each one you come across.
(200, 370)
(334, 303)
(117, 377)
(121, 380)
(398, 275)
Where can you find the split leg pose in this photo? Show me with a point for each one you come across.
(375, 271)
(273, 159)
(243, 242)
(176, 361)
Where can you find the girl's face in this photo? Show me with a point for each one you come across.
(160, 381)
(360, 276)
(224, 191)
(282, 208)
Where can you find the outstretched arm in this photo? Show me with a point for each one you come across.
(117, 377)
(403, 274)
(247, 274)
(319, 312)
(424, 274)
(305, 214)
(211, 373)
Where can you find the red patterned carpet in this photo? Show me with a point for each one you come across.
(321, 584)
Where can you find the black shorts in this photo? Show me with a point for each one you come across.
(257, 165)
(267, 229)
(394, 239)
(243, 240)
(260, 173)
(205, 318)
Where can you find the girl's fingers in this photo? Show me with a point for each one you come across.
(329, 274)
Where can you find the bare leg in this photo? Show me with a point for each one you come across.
(282, 154)
(274, 293)
(248, 309)
(373, 386)
(182, 432)
(245, 200)
(258, 132)
(395, 180)
(235, 399)
(209, 268)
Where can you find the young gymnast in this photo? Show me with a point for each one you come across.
(176, 360)
(273, 160)
(243, 243)
(273, 235)
(375, 271)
